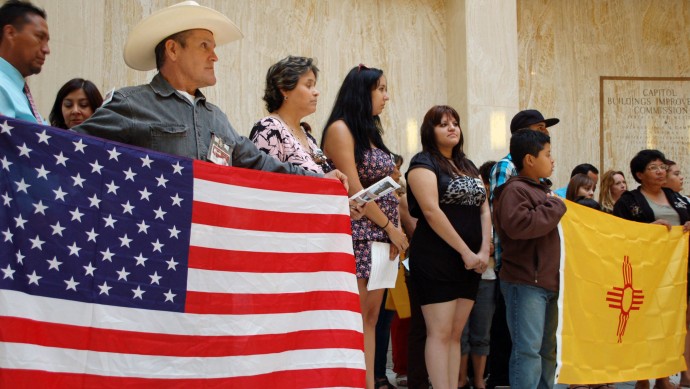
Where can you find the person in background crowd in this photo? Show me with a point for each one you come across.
(24, 47)
(674, 181)
(417, 375)
(581, 185)
(500, 173)
(674, 178)
(652, 203)
(612, 186)
(396, 175)
(383, 324)
(75, 102)
(450, 248)
(586, 169)
(353, 140)
(400, 327)
(476, 334)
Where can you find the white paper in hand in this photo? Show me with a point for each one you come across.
(383, 270)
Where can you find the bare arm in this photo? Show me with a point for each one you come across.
(339, 145)
(409, 223)
(485, 251)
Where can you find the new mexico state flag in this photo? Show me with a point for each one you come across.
(622, 300)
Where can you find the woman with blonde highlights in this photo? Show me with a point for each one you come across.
(612, 186)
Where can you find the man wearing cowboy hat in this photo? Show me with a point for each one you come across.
(170, 114)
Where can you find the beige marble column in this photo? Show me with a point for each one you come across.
(482, 68)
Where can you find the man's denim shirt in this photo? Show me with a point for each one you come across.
(155, 116)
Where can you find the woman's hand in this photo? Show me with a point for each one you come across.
(472, 261)
(337, 175)
(483, 262)
(393, 252)
(686, 227)
(664, 223)
(357, 210)
(397, 237)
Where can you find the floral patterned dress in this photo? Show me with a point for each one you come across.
(375, 165)
(272, 137)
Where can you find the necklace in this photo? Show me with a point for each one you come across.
(316, 155)
(302, 141)
(289, 127)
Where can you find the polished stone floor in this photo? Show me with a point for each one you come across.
(622, 385)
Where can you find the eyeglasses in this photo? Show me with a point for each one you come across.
(657, 168)
(362, 66)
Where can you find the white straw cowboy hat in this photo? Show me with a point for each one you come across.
(187, 15)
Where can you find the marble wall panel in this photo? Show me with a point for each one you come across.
(405, 38)
(432, 51)
(488, 75)
(565, 46)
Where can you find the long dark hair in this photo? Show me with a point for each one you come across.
(353, 106)
(90, 90)
(433, 118)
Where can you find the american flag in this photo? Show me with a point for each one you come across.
(121, 266)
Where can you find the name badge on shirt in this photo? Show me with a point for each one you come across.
(219, 152)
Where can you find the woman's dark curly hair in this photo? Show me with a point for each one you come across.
(283, 76)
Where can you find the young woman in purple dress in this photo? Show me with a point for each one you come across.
(353, 140)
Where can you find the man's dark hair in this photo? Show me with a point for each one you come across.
(583, 168)
(179, 37)
(16, 13)
(526, 142)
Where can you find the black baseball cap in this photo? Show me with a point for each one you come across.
(528, 117)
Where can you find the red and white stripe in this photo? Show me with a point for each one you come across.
(272, 299)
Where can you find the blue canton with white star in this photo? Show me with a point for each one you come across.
(90, 220)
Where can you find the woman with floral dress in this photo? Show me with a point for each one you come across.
(353, 140)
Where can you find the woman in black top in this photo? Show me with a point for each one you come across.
(450, 247)
(652, 203)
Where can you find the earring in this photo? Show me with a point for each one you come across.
(285, 97)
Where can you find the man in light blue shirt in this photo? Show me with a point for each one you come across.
(23, 49)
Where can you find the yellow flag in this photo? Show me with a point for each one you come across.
(398, 299)
(622, 298)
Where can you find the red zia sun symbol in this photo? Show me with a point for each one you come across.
(626, 298)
